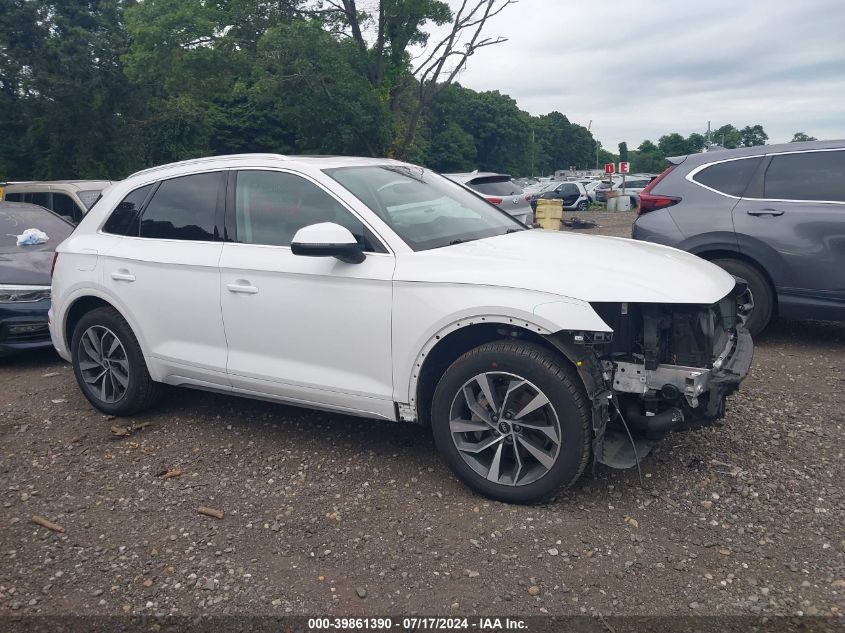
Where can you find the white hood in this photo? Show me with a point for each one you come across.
(586, 267)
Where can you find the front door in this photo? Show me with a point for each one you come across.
(310, 330)
(793, 222)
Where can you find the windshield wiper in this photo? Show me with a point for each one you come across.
(513, 231)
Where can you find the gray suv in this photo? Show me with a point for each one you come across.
(773, 215)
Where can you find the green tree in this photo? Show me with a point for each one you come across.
(62, 88)
(727, 136)
(623, 152)
(800, 137)
(695, 143)
(648, 158)
(673, 145)
(753, 135)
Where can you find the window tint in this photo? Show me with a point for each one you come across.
(270, 207)
(41, 199)
(14, 197)
(731, 177)
(183, 209)
(65, 206)
(124, 218)
(806, 176)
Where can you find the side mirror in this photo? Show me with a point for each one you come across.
(327, 239)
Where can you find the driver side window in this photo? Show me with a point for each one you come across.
(271, 206)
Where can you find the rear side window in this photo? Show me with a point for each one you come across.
(14, 197)
(65, 206)
(124, 218)
(497, 188)
(183, 209)
(806, 176)
(731, 177)
(41, 199)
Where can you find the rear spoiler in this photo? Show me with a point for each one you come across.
(677, 160)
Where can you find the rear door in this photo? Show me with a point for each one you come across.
(792, 220)
(164, 272)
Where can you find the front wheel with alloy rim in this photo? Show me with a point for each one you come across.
(109, 365)
(512, 421)
(582, 206)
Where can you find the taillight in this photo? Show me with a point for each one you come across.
(53, 265)
(494, 200)
(649, 202)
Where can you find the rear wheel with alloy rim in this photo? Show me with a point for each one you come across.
(109, 365)
(512, 421)
(582, 206)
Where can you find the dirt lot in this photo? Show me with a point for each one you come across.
(327, 514)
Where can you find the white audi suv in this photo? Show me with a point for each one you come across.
(377, 288)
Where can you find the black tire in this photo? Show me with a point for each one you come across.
(141, 391)
(551, 374)
(582, 206)
(761, 291)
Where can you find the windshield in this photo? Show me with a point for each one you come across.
(425, 209)
(89, 197)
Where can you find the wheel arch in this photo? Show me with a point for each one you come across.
(89, 300)
(454, 340)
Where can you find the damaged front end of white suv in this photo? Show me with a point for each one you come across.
(666, 367)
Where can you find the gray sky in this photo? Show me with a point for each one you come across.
(640, 69)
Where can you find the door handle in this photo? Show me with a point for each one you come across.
(759, 212)
(243, 288)
(123, 275)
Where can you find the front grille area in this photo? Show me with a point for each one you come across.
(34, 332)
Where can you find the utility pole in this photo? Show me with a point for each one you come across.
(532, 152)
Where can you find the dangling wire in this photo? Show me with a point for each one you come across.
(630, 437)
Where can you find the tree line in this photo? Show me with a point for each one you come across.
(101, 88)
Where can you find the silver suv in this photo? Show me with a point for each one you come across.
(773, 215)
(69, 198)
(501, 190)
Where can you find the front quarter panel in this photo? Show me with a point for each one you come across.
(425, 312)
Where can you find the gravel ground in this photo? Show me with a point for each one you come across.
(327, 514)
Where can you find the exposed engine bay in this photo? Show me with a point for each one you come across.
(666, 367)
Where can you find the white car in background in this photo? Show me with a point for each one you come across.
(377, 288)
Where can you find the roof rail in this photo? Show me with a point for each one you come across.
(208, 159)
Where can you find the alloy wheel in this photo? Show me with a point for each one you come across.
(103, 363)
(505, 428)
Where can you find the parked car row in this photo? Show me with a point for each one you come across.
(273, 277)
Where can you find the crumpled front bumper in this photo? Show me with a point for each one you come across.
(729, 372)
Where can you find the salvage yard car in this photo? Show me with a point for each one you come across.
(500, 190)
(25, 276)
(773, 215)
(69, 198)
(381, 289)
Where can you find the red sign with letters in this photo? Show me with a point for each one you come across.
(623, 168)
(609, 168)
